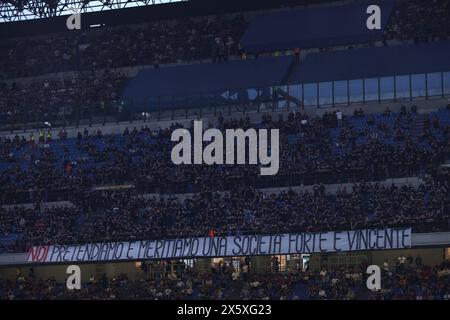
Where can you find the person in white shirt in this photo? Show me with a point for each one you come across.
(322, 293)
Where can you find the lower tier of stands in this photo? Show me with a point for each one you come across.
(403, 279)
(121, 215)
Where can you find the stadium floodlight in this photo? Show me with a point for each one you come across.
(146, 115)
(18, 10)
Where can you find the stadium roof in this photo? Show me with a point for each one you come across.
(19, 10)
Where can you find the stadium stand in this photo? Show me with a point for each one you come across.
(60, 100)
(150, 43)
(317, 150)
(120, 216)
(405, 278)
(105, 55)
(329, 151)
(344, 164)
(419, 20)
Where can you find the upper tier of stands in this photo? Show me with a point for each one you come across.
(277, 78)
(70, 100)
(218, 37)
(154, 42)
(314, 27)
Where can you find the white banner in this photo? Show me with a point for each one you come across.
(245, 245)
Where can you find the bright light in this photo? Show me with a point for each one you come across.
(8, 11)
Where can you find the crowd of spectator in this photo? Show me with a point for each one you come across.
(313, 150)
(174, 41)
(402, 281)
(226, 198)
(78, 96)
(91, 57)
(124, 167)
(151, 43)
(420, 21)
(113, 215)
